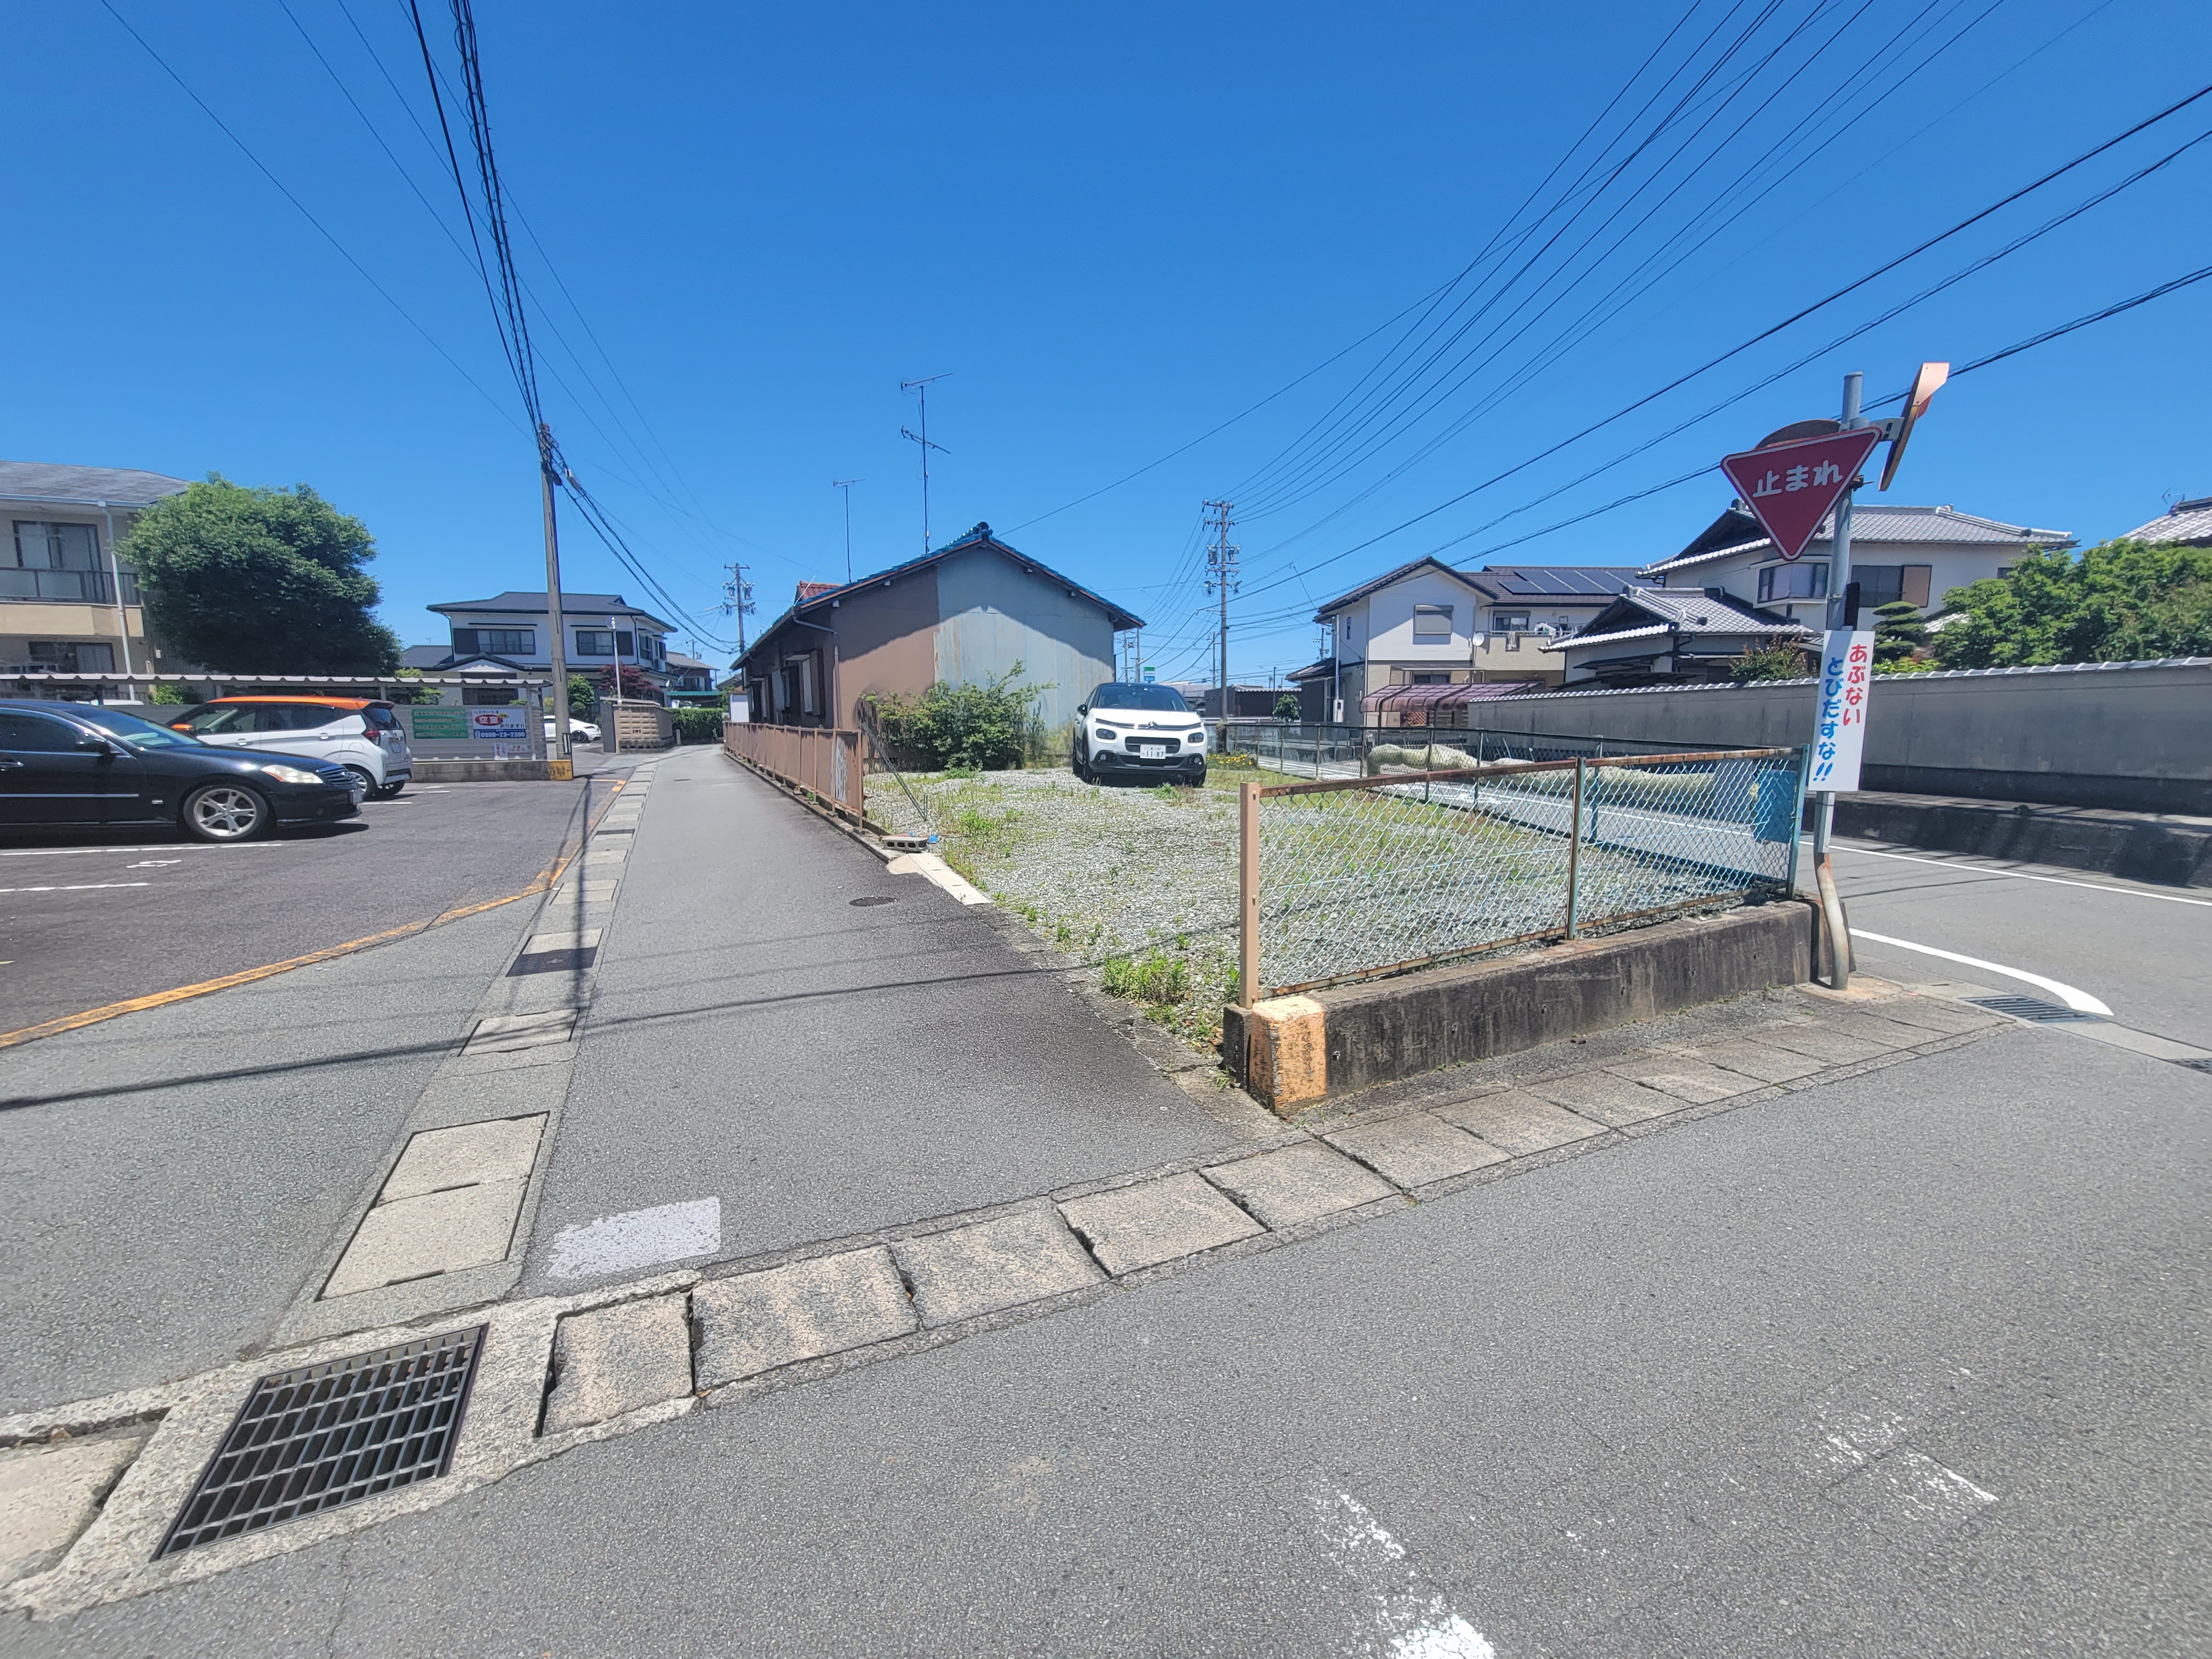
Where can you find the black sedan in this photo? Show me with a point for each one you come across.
(74, 764)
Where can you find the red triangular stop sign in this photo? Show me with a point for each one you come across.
(1791, 487)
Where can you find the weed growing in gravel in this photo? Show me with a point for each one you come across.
(1155, 977)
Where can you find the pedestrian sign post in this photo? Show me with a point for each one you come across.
(1839, 734)
(1791, 487)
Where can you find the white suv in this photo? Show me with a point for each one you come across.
(359, 734)
(1127, 730)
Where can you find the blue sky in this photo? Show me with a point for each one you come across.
(1114, 228)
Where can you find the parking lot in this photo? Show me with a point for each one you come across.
(87, 920)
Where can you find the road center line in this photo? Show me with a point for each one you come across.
(2019, 875)
(2080, 1001)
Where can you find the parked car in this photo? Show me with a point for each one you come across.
(73, 763)
(1126, 730)
(577, 729)
(360, 733)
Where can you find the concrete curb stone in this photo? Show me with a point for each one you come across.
(1299, 1184)
(753, 1323)
(1156, 1221)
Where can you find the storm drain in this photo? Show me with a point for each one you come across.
(325, 1436)
(2203, 1065)
(569, 961)
(2031, 1008)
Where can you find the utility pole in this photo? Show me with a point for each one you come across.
(920, 389)
(738, 600)
(559, 654)
(1221, 577)
(846, 485)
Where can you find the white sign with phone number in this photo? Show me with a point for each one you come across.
(1839, 735)
(500, 724)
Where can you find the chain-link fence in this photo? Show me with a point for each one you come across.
(1312, 750)
(1346, 878)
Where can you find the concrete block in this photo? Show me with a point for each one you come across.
(1768, 1065)
(1689, 1080)
(573, 939)
(1416, 1149)
(611, 1360)
(1937, 1016)
(1613, 1100)
(1156, 1221)
(1819, 1041)
(1871, 1025)
(436, 1233)
(1286, 1052)
(990, 1265)
(504, 1033)
(755, 1322)
(465, 1156)
(49, 1494)
(1518, 1123)
(1299, 1184)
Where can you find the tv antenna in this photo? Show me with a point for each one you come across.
(846, 485)
(920, 389)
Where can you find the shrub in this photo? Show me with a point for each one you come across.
(990, 726)
(1772, 662)
(1287, 706)
(582, 698)
(1157, 977)
(698, 725)
(167, 693)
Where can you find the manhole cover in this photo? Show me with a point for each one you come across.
(323, 1436)
(2031, 1008)
(873, 898)
(554, 961)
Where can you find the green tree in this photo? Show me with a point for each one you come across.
(260, 581)
(1770, 662)
(1287, 706)
(2120, 601)
(1899, 631)
(583, 698)
(988, 725)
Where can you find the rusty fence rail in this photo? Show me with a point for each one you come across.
(821, 761)
(1351, 877)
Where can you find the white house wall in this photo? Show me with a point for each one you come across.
(1950, 565)
(993, 614)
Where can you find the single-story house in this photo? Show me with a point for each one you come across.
(510, 628)
(966, 613)
(1915, 553)
(67, 604)
(1654, 636)
(2187, 522)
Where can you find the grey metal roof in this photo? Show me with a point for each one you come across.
(2185, 521)
(1554, 581)
(424, 656)
(1329, 607)
(572, 604)
(51, 481)
(1881, 522)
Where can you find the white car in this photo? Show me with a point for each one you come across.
(1127, 730)
(359, 734)
(583, 729)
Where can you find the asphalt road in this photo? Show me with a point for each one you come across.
(86, 920)
(1634, 1404)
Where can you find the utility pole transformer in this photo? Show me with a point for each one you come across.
(738, 600)
(555, 639)
(1221, 578)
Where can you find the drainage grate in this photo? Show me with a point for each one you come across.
(328, 1435)
(569, 961)
(2204, 1065)
(2035, 1009)
(873, 898)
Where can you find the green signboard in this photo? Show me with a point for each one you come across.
(431, 723)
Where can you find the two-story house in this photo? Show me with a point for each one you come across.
(509, 630)
(1427, 624)
(67, 604)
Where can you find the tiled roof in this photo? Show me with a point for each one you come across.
(50, 481)
(1649, 631)
(1871, 521)
(2185, 521)
(1329, 606)
(572, 604)
(814, 590)
(1680, 610)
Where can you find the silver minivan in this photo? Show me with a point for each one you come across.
(359, 734)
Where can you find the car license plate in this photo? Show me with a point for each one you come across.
(1152, 750)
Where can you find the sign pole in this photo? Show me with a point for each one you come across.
(1835, 922)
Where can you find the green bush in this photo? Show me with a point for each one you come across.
(583, 698)
(698, 725)
(2120, 601)
(1287, 706)
(990, 726)
(1772, 662)
(168, 694)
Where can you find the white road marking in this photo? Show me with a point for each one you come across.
(169, 847)
(2080, 1001)
(637, 1238)
(78, 887)
(1418, 1626)
(2019, 875)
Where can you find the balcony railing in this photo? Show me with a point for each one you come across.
(77, 587)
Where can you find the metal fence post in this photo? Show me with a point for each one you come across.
(1797, 813)
(1248, 892)
(1574, 847)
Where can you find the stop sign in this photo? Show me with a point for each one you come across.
(1791, 487)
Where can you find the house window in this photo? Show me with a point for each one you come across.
(1879, 584)
(595, 642)
(507, 641)
(489, 696)
(68, 657)
(1444, 679)
(1432, 622)
(56, 546)
(44, 561)
(1793, 581)
(1509, 622)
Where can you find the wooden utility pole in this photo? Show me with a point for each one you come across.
(558, 652)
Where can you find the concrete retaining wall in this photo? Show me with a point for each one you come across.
(2136, 737)
(2177, 853)
(1299, 1050)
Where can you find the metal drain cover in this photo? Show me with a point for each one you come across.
(554, 961)
(2203, 1065)
(2031, 1008)
(323, 1436)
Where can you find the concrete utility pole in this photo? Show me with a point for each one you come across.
(558, 652)
(738, 599)
(1221, 577)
